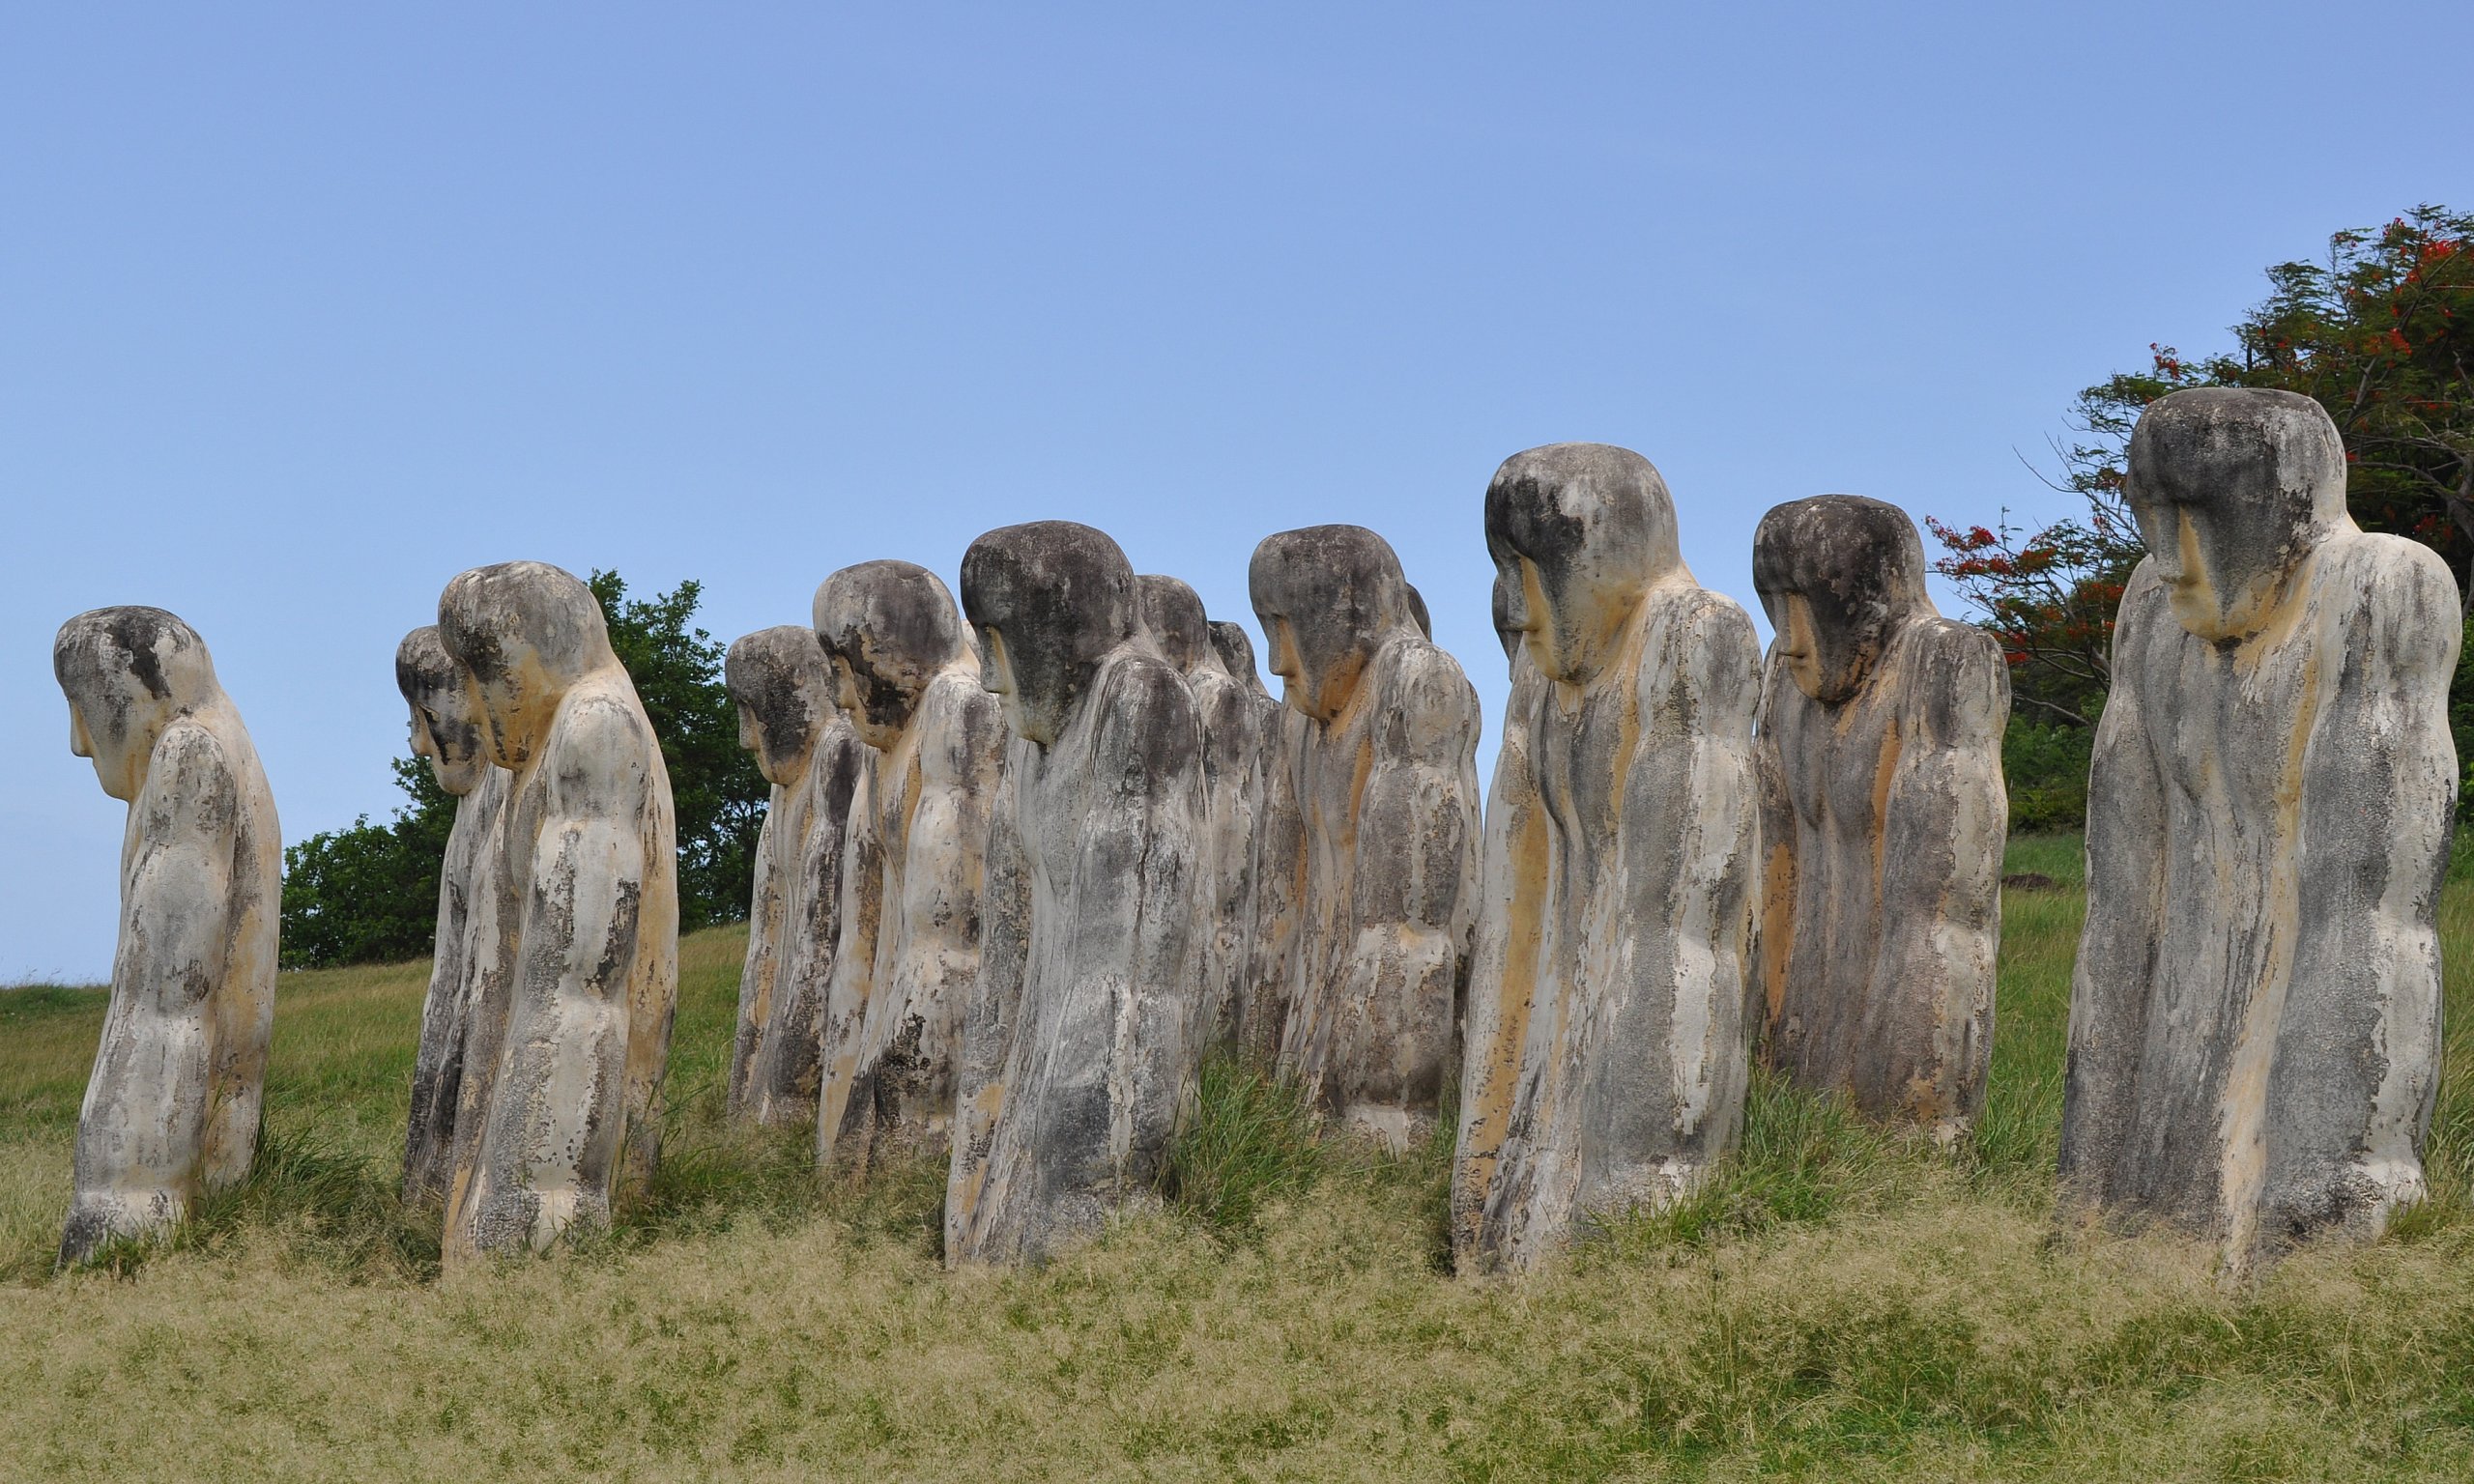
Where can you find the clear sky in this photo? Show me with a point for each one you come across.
(304, 309)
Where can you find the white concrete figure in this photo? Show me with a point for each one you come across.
(573, 1122)
(1172, 614)
(1882, 818)
(1382, 772)
(171, 1109)
(464, 1015)
(2255, 1015)
(912, 871)
(1276, 868)
(806, 749)
(1078, 1045)
(1606, 1056)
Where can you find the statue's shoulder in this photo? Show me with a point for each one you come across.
(2405, 588)
(1699, 640)
(1426, 705)
(1959, 680)
(1149, 710)
(2394, 570)
(189, 778)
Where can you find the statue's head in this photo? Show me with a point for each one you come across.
(446, 728)
(2232, 488)
(128, 672)
(1049, 600)
(524, 633)
(1236, 652)
(1172, 615)
(888, 628)
(1328, 597)
(1837, 573)
(783, 692)
(1578, 532)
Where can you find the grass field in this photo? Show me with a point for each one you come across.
(1843, 1304)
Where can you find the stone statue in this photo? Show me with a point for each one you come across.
(1607, 1055)
(1882, 818)
(1231, 735)
(1385, 776)
(464, 1015)
(171, 1109)
(911, 683)
(2255, 1016)
(805, 746)
(1078, 1050)
(1277, 858)
(574, 1116)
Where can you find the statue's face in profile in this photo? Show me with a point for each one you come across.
(1578, 532)
(450, 737)
(780, 684)
(521, 633)
(876, 696)
(116, 723)
(126, 674)
(997, 676)
(1319, 663)
(1328, 598)
(1048, 601)
(1837, 573)
(888, 629)
(2231, 489)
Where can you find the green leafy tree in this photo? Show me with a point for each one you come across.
(714, 786)
(370, 893)
(2380, 333)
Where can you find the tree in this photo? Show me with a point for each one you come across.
(370, 893)
(714, 786)
(2381, 334)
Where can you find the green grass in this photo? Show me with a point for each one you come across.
(1840, 1302)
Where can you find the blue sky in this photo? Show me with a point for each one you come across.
(304, 309)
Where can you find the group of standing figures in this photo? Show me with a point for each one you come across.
(1029, 862)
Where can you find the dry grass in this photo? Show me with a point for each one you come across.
(1843, 1304)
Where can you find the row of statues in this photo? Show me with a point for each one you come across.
(1031, 857)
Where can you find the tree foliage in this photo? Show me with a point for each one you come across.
(370, 893)
(2380, 333)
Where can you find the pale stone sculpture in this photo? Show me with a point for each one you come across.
(910, 680)
(806, 749)
(464, 1015)
(1882, 818)
(1385, 777)
(1277, 860)
(1607, 1055)
(1078, 1050)
(2255, 1016)
(1232, 751)
(574, 1116)
(171, 1109)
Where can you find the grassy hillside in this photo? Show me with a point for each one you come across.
(1845, 1304)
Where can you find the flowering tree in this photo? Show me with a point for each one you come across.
(2380, 333)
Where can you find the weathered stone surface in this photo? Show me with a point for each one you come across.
(1172, 614)
(1277, 860)
(1606, 1049)
(2255, 1016)
(464, 1015)
(1882, 818)
(573, 1121)
(1381, 770)
(914, 867)
(806, 749)
(171, 1109)
(1078, 1044)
